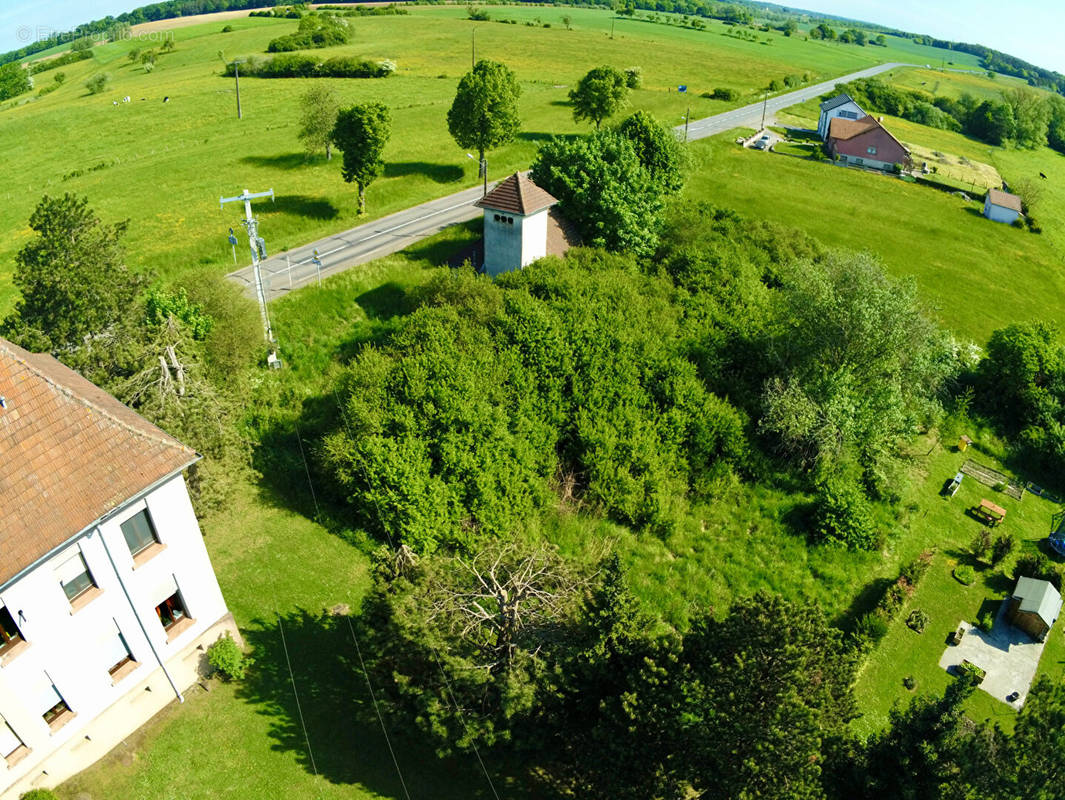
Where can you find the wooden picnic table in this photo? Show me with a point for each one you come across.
(991, 512)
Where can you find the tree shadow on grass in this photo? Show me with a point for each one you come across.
(283, 161)
(542, 136)
(862, 604)
(300, 205)
(440, 173)
(322, 712)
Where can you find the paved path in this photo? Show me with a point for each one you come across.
(751, 116)
(294, 269)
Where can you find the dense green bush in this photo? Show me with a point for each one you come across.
(98, 83)
(294, 65)
(965, 574)
(871, 628)
(634, 77)
(492, 395)
(986, 621)
(844, 516)
(316, 30)
(724, 93)
(227, 658)
(39, 794)
(917, 620)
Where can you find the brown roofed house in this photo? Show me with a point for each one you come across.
(864, 142)
(516, 222)
(105, 583)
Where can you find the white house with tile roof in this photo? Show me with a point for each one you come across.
(515, 224)
(108, 600)
(839, 107)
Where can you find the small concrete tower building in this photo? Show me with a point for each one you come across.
(515, 224)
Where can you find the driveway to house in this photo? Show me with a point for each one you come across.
(1008, 655)
(294, 269)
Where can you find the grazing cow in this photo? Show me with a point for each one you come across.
(126, 99)
(1041, 175)
(166, 99)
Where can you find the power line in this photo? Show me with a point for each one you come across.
(380, 718)
(299, 708)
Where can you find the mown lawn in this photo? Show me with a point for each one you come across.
(949, 528)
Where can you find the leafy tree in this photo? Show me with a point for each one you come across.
(603, 188)
(71, 276)
(59, 78)
(361, 133)
(658, 150)
(918, 753)
(98, 83)
(769, 690)
(14, 80)
(619, 698)
(599, 94)
(484, 114)
(316, 29)
(843, 515)
(134, 55)
(319, 107)
(1031, 116)
(858, 365)
(1056, 123)
(992, 122)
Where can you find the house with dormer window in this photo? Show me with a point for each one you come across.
(108, 600)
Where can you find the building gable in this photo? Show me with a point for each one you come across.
(73, 454)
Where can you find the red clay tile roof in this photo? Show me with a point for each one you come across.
(839, 128)
(71, 453)
(1004, 199)
(517, 195)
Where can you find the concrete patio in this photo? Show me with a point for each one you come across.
(1008, 655)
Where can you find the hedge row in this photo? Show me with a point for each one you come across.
(304, 66)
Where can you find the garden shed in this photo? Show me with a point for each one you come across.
(1033, 607)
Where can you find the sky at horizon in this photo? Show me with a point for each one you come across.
(1026, 29)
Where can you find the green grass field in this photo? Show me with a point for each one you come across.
(976, 275)
(165, 166)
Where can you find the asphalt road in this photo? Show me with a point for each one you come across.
(295, 269)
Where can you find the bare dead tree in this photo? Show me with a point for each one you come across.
(507, 598)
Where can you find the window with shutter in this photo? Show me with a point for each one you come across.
(74, 576)
(9, 632)
(9, 741)
(139, 532)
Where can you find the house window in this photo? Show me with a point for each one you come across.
(139, 532)
(9, 632)
(55, 711)
(496, 217)
(848, 115)
(858, 161)
(871, 151)
(74, 576)
(171, 611)
(9, 741)
(117, 652)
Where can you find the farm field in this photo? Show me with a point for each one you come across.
(164, 166)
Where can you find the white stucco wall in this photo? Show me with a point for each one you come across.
(67, 644)
(998, 213)
(826, 117)
(509, 246)
(502, 242)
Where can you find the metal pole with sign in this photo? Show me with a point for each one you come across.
(233, 244)
(258, 251)
(317, 261)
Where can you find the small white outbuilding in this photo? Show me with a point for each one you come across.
(1002, 206)
(515, 224)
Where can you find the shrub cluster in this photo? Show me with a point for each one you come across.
(965, 574)
(315, 31)
(844, 516)
(227, 658)
(303, 66)
(872, 627)
(71, 57)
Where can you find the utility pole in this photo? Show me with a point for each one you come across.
(258, 251)
(764, 105)
(687, 116)
(473, 48)
(611, 27)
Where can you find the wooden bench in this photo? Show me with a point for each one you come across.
(990, 513)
